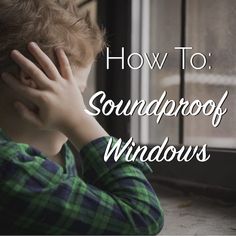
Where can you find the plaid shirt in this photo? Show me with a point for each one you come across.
(38, 196)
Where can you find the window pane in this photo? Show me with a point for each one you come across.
(164, 36)
(211, 29)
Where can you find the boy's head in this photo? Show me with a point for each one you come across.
(49, 23)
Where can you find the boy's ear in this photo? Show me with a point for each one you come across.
(27, 80)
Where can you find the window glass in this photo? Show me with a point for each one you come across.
(211, 29)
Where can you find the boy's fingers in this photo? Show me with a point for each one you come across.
(23, 90)
(45, 62)
(64, 64)
(27, 114)
(30, 69)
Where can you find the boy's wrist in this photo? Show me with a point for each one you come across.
(83, 130)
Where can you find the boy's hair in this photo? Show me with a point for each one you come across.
(50, 23)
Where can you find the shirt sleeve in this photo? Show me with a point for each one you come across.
(38, 197)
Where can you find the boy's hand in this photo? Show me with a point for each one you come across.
(57, 97)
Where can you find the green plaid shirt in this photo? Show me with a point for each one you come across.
(38, 196)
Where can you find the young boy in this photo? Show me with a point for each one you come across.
(41, 107)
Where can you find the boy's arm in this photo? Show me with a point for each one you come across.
(38, 197)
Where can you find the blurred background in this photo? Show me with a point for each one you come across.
(198, 198)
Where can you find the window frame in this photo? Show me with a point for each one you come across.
(114, 17)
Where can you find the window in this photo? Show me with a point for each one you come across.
(160, 25)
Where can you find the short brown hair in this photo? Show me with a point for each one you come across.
(50, 24)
